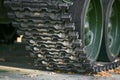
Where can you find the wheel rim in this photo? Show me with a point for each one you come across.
(113, 31)
(93, 29)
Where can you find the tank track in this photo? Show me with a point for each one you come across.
(50, 36)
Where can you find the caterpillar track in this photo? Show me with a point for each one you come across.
(51, 37)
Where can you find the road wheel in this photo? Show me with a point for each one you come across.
(111, 37)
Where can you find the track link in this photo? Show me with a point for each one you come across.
(50, 35)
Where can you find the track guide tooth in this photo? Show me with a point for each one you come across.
(7, 3)
(11, 15)
(73, 35)
(70, 26)
(16, 24)
(63, 6)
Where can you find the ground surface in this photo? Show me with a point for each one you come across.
(14, 68)
(12, 73)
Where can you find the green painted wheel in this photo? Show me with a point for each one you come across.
(93, 29)
(111, 37)
(88, 19)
